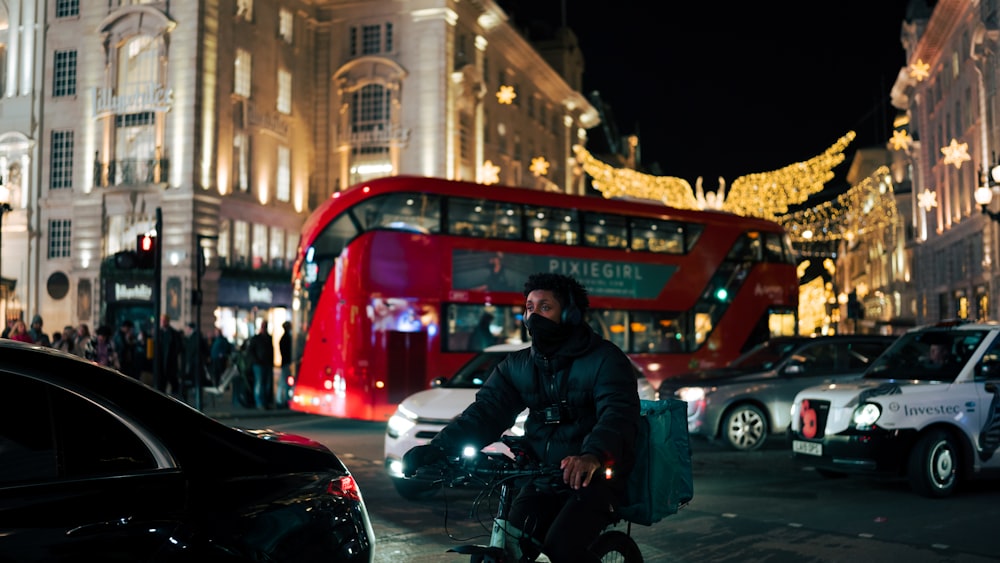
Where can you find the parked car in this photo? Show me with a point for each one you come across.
(422, 415)
(750, 399)
(930, 418)
(97, 466)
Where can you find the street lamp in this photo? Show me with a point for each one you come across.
(984, 193)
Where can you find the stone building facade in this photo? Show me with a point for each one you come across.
(218, 124)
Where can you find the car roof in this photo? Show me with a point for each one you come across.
(507, 347)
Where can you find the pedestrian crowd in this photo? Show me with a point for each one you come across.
(183, 356)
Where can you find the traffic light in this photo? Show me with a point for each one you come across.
(146, 251)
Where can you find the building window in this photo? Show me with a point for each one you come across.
(223, 247)
(243, 73)
(277, 248)
(284, 183)
(291, 247)
(285, 22)
(241, 161)
(259, 246)
(62, 160)
(370, 111)
(59, 237)
(241, 243)
(64, 79)
(371, 39)
(244, 10)
(284, 91)
(67, 8)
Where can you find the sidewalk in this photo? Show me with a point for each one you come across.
(223, 407)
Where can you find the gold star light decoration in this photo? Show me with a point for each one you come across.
(927, 199)
(491, 173)
(901, 140)
(920, 70)
(956, 153)
(539, 166)
(506, 95)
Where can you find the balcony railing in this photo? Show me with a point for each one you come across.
(130, 172)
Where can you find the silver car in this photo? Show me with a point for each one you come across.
(751, 398)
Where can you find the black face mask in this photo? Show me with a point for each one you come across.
(546, 335)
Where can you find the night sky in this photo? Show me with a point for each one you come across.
(734, 88)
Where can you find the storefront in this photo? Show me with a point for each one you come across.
(127, 300)
(244, 303)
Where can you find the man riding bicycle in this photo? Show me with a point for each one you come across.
(584, 415)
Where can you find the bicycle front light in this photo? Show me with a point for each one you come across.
(469, 452)
(866, 415)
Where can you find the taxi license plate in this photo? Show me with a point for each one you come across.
(807, 448)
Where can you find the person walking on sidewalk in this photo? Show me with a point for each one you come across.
(285, 349)
(261, 352)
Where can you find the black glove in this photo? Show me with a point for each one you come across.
(421, 456)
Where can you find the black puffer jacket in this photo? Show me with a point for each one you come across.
(599, 387)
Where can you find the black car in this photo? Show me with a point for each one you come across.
(97, 466)
(751, 397)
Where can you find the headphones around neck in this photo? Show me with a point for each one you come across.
(571, 313)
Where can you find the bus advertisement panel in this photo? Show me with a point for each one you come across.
(401, 280)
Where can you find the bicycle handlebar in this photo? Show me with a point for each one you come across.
(491, 467)
(487, 468)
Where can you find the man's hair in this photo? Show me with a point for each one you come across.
(562, 286)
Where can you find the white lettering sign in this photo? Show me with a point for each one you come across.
(260, 294)
(145, 97)
(140, 292)
(595, 269)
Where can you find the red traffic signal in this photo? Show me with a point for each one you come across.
(146, 251)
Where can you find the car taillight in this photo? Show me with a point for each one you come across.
(345, 487)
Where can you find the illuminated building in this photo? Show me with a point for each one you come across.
(234, 119)
(948, 92)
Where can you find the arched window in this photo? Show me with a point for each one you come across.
(370, 132)
(136, 145)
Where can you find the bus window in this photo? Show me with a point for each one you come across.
(402, 211)
(484, 219)
(611, 325)
(506, 220)
(473, 327)
(547, 224)
(748, 248)
(665, 237)
(605, 231)
(774, 250)
(468, 218)
(655, 332)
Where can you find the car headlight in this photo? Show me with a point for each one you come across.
(866, 415)
(691, 394)
(401, 422)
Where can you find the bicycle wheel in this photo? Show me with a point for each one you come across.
(616, 547)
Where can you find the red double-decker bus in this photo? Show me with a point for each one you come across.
(401, 280)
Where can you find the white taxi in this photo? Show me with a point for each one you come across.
(928, 409)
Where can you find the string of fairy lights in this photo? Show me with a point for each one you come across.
(866, 208)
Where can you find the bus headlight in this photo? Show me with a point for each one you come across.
(866, 415)
(401, 422)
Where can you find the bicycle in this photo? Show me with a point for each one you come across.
(497, 472)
